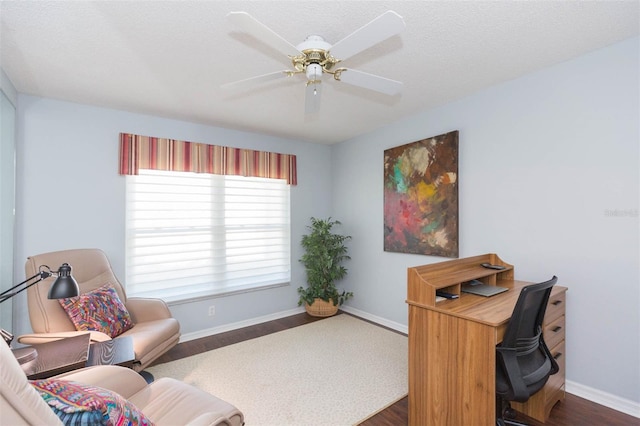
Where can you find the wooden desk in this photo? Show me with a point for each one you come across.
(452, 344)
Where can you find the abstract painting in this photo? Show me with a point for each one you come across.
(421, 197)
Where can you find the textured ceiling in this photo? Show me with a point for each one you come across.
(169, 59)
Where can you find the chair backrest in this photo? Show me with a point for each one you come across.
(523, 355)
(528, 314)
(90, 268)
(20, 403)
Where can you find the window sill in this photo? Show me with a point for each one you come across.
(176, 300)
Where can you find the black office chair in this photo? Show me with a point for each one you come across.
(523, 360)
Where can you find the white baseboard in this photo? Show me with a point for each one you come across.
(240, 324)
(603, 398)
(614, 402)
(378, 320)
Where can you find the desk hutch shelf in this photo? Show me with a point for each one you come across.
(424, 281)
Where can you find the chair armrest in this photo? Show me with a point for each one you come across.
(118, 379)
(36, 338)
(511, 368)
(146, 309)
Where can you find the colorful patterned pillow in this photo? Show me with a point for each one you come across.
(99, 310)
(79, 404)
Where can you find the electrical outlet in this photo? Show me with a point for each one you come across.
(212, 310)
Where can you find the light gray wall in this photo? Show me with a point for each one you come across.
(70, 195)
(542, 159)
(8, 97)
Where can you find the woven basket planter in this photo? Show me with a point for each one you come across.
(320, 308)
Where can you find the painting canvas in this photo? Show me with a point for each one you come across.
(421, 197)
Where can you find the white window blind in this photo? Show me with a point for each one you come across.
(193, 235)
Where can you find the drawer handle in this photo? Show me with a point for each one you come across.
(556, 329)
(558, 355)
(556, 302)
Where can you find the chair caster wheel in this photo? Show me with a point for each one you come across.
(510, 413)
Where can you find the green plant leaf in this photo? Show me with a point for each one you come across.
(325, 251)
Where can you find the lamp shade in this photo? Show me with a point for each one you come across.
(65, 285)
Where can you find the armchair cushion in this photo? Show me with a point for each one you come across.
(98, 310)
(76, 402)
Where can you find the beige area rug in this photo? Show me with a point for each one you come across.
(338, 371)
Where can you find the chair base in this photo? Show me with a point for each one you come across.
(503, 409)
(503, 422)
(147, 376)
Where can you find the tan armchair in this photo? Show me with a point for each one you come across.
(165, 402)
(154, 331)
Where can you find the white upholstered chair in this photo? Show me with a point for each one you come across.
(154, 329)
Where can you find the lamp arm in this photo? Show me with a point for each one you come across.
(5, 295)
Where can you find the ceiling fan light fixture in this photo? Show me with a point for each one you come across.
(314, 71)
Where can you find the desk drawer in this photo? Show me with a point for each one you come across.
(556, 381)
(554, 332)
(556, 306)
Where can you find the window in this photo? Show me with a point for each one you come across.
(194, 235)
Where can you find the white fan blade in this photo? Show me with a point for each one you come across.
(312, 98)
(384, 26)
(371, 82)
(263, 33)
(255, 80)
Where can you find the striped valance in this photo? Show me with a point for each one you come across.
(145, 152)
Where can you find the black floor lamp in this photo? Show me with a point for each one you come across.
(64, 286)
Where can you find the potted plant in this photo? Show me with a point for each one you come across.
(324, 253)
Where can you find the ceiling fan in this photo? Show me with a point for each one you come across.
(315, 57)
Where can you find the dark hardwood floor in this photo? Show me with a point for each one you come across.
(572, 411)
